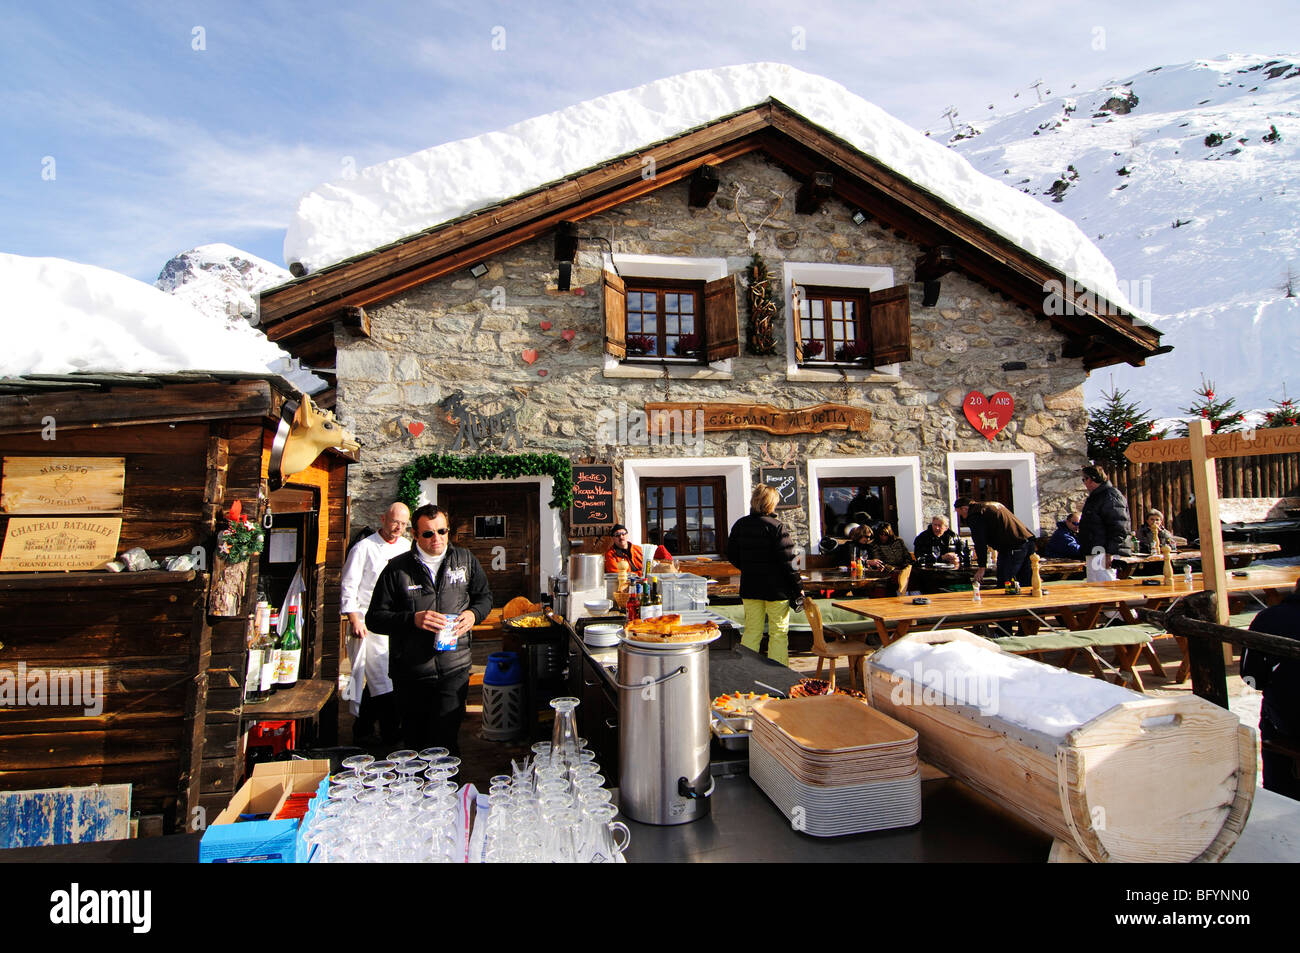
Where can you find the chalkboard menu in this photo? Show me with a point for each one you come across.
(593, 497)
(785, 480)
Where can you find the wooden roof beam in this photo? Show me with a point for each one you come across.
(704, 186)
(814, 192)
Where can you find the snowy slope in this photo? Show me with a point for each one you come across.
(1214, 284)
(220, 280)
(400, 197)
(63, 318)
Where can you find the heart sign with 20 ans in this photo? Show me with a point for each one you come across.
(988, 415)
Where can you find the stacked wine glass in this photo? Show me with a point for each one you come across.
(554, 807)
(402, 809)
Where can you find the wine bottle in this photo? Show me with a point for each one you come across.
(290, 652)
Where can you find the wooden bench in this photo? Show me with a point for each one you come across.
(1128, 641)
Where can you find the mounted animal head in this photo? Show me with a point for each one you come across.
(313, 432)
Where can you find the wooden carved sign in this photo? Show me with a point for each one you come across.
(1248, 444)
(476, 428)
(593, 498)
(62, 485)
(988, 415)
(59, 543)
(664, 418)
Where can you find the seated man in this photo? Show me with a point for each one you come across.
(1064, 543)
(622, 554)
(937, 544)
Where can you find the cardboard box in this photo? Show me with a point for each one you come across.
(229, 841)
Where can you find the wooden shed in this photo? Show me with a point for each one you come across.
(168, 455)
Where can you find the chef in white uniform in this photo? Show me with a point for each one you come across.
(365, 562)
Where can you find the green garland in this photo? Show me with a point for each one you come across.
(486, 466)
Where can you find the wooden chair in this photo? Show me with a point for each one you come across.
(853, 647)
(904, 575)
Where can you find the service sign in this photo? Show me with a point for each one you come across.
(60, 543)
(62, 485)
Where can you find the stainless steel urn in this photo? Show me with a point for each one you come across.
(663, 733)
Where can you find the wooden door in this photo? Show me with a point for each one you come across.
(498, 523)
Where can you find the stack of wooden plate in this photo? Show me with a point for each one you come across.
(835, 766)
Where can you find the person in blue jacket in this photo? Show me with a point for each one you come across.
(1064, 543)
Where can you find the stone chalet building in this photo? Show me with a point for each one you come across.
(906, 305)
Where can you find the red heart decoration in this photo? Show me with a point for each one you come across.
(530, 355)
(988, 415)
(415, 427)
(545, 325)
(580, 291)
(543, 372)
(568, 334)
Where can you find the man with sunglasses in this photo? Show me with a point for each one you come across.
(1064, 543)
(427, 601)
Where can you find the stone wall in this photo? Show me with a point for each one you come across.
(471, 335)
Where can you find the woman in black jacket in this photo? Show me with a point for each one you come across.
(761, 548)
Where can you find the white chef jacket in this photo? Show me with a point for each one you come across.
(365, 562)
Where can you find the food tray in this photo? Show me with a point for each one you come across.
(738, 740)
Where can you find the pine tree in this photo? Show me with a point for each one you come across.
(1218, 412)
(1285, 413)
(1115, 425)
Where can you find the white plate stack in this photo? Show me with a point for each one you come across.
(835, 766)
(602, 635)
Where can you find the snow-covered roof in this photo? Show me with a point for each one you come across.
(398, 198)
(67, 318)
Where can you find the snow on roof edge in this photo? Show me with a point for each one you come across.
(395, 200)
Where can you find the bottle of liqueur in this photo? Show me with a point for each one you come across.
(290, 653)
(271, 659)
(258, 651)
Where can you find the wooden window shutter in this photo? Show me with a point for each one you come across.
(721, 323)
(615, 293)
(891, 326)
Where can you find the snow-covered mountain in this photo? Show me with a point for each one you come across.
(222, 282)
(1187, 178)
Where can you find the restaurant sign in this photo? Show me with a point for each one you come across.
(62, 485)
(671, 417)
(592, 513)
(48, 544)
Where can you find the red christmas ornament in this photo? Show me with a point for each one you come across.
(1210, 394)
(1128, 424)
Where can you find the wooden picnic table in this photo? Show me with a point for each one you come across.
(1237, 555)
(1077, 605)
(838, 581)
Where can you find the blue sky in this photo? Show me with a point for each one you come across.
(133, 131)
